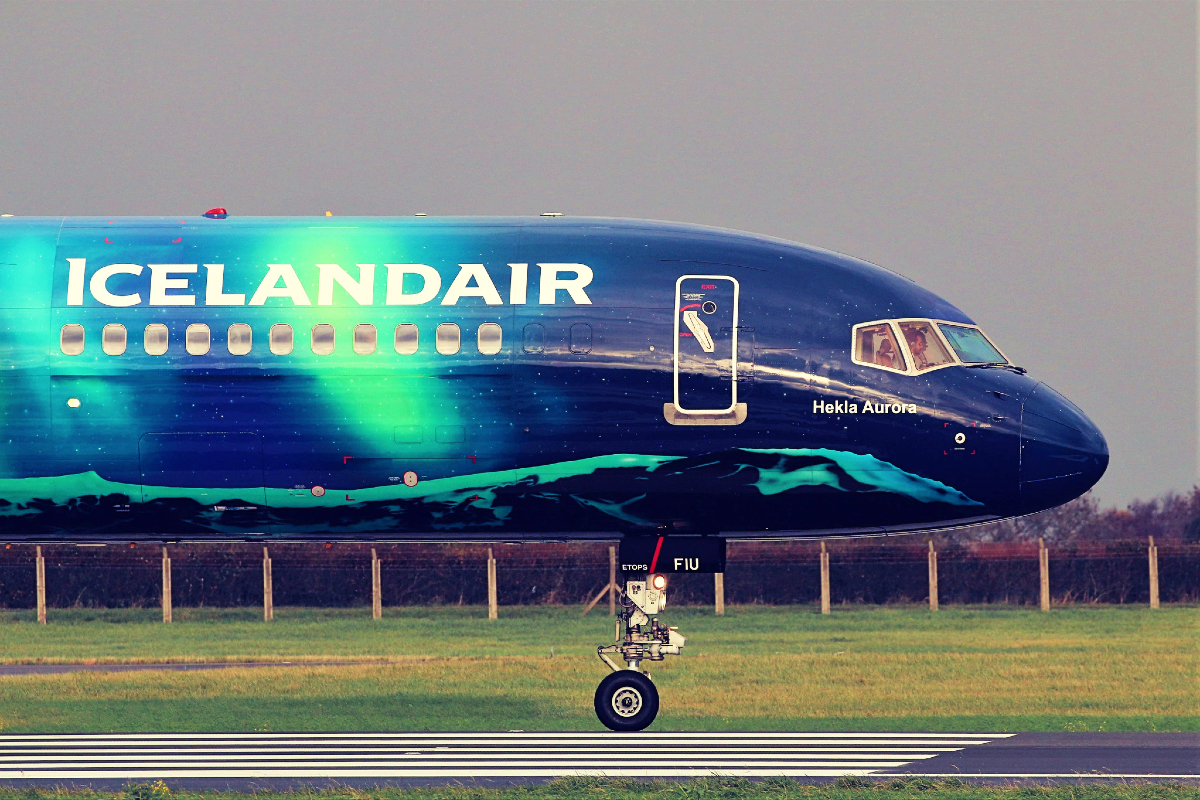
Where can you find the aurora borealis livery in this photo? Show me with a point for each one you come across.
(497, 379)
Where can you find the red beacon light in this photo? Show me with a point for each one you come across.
(658, 582)
(216, 213)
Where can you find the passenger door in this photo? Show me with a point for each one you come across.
(705, 386)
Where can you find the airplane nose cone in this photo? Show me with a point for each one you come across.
(1062, 453)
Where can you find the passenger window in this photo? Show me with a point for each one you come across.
(407, 434)
(925, 345)
(489, 338)
(535, 338)
(240, 336)
(71, 339)
(364, 339)
(198, 339)
(876, 345)
(406, 338)
(450, 434)
(113, 339)
(322, 339)
(281, 339)
(581, 338)
(155, 339)
(448, 338)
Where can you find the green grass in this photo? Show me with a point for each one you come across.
(758, 668)
(701, 789)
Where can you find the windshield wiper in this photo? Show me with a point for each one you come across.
(998, 365)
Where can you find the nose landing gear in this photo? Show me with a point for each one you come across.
(627, 699)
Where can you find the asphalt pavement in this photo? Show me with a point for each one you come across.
(246, 761)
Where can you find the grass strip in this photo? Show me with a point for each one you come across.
(995, 669)
(709, 788)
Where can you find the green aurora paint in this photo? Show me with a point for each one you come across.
(482, 491)
(865, 469)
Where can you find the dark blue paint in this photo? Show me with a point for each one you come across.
(1026, 448)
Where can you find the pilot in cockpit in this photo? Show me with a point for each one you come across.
(917, 345)
(885, 356)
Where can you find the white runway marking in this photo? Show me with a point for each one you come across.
(467, 755)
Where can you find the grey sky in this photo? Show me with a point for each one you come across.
(1034, 163)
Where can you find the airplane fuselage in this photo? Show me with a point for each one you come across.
(497, 379)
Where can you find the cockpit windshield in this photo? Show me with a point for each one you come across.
(924, 344)
(913, 346)
(971, 345)
(876, 345)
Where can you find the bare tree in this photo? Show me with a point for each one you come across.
(1169, 517)
(1074, 520)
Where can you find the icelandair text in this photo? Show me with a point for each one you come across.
(174, 285)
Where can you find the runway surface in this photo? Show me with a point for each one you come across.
(278, 760)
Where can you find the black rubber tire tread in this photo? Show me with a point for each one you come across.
(614, 683)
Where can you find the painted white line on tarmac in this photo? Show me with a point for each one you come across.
(627, 741)
(484, 773)
(499, 735)
(700, 765)
(299, 751)
(464, 756)
(659, 757)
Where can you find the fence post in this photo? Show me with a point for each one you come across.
(612, 581)
(376, 588)
(268, 589)
(493, 610)
(719, 590)
(1153, 556)
(1044, 573)
(40, 570)
(824, 579)
(933, 582)
(166, 586)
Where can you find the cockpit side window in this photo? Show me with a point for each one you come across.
(875, 345)
(924, 344)
(971, 345)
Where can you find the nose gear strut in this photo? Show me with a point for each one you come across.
(627, 700)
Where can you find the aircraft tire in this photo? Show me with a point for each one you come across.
(626, 700)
